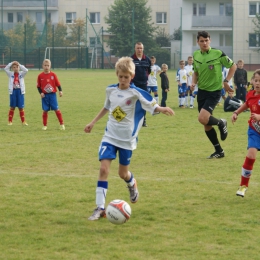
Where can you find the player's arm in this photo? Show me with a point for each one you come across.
(230, 74)
(101, 113)
(194, 80)
(165, 110)
(39, 87)
(238, 111)
(60, 90)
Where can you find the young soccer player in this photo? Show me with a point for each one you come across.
(240, 80)
(182, 83)
(152, 85)
(188, 94)
(125, 104)
(16, 86)
(164, 84)
(47, 84)
(252, 102)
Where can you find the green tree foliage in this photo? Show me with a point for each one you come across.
(121, 23)
(15, 36)
(60, 35)
(77, 32)
(31, 33)
(162, 38)
(256, 22)
(177, 34)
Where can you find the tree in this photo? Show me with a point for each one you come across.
(177, 34)
(77, 32)
(162, 38)
(124, 17)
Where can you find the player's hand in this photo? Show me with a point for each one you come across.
(165, 110)
(192, 87)
(42, 95)
(255, 116)
(88, 128)
(234, 118)
(227, 87)
(60, 93)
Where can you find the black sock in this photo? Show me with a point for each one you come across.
(212, 135)
(213, 121)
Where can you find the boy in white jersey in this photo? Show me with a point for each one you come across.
(152, 85)
(182, 83)
(126, 105)
(189, 69)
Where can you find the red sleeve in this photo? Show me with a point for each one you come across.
(57, 82)
(38, 81)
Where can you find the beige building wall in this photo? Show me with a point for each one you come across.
(243, 25)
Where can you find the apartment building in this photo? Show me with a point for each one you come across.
(165, 14)
(230, 24)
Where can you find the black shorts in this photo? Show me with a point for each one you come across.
(208, 99)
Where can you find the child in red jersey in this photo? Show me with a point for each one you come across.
(16, 86)
(47, 84)
(253, 103)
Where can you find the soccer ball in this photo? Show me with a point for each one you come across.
(118, 212)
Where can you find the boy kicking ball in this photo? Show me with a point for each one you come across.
(126, 105)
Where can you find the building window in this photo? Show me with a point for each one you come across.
(94, 17)
(253, 40)
(38, 17)
(199, 9)
(49, 17)
(253, 8)
(92, 41)
(225, 9)
(225, 40)
(70, 17)
(161, 18)
(19, 17)
(10, 17)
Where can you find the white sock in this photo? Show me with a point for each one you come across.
(101, 194)
(131, 181)
(157, 99)
(192, 100)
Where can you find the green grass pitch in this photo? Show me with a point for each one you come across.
(187, 207)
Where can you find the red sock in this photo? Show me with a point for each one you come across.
(44, 118)
(22, 115)
(248, 166)
(10, 115)
(59, 116)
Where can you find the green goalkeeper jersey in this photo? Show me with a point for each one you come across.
(208, 65)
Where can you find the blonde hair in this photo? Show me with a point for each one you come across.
(190, 57)
(181, 61)
(125, 64)
(15, 63)
(164, 65)
(240, 61)
(46, 60)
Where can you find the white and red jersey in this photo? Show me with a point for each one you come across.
(48, 82)
(253, 102)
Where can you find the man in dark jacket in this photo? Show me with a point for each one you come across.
(142, 69)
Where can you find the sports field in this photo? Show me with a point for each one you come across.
(187, 207)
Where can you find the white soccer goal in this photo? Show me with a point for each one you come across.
(47, 54)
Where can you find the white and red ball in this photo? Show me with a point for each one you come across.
(118, 212)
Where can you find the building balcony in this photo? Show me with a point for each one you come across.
(30, 5)
(212, 21)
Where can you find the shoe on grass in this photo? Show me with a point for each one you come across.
(97, 214)
(223, 129)
(134, 194)
(217, 155)
(44, 128)
(241, 191)
(62, 127)
(25, 124)
(10, 123)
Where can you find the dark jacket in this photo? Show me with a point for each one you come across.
(164, 81)
(240, 77)
(142, 70)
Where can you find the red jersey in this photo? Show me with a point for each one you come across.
(16, 83)
(48, 82)
(253, 102)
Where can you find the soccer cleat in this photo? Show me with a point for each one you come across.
(10, 123)
(144, 124)
(97, 214)
(24, 123)
(241, 191)
(217, 155)
(44, 128)
(223, 129)
(191, 106)
(134, 194)
(62, 127)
